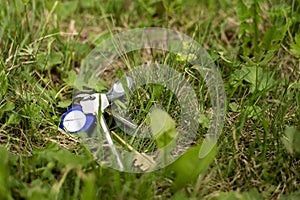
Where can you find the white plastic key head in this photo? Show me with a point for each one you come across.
(90, 104)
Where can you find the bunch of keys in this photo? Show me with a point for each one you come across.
(83, 117)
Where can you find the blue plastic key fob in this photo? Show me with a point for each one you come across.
(75, 121)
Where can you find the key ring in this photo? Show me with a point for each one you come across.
(83, 117)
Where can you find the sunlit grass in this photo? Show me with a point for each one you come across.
(254, 45)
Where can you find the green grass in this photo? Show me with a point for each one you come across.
(255, 45)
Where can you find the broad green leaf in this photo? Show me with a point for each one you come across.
(254, 76)
(46, 62)
(14, 118)
(189, 166)
(270, 39)
(204, 120)
(89, 189)
(4, 174)
(64, 104)
(233, 107)
(54, 59)
(295, 47)
(70, 80)
(82, 49)
(67, 9)
(9, 106)
(242, 11)
(291, 140)
(207, 146)
(253, 111)
(96, 84)
(162, 127)
(288, 138)
(78, 83)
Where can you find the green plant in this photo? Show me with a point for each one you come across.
(255, 45)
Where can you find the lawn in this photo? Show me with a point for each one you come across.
(255, 47)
